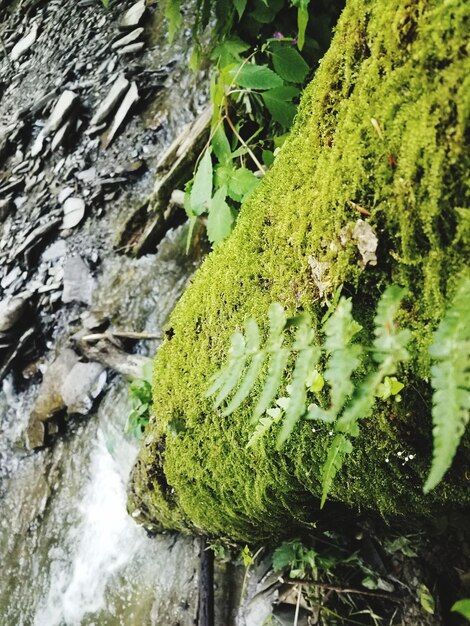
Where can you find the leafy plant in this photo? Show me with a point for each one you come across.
(140, 396)
(349, 401)
(462, 607)
(450, 378)
(255, 85)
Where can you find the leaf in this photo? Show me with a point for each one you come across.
(389, 341)
(242, 183)
(252, 345)
(173, 15)
(201, 191)
(462, 607)
(306, 360)
(277, 365)
(426, 599)
(261, 429)
(221, 145)
(220, 219)
(240, 6)
(227, 377)
(284, 556)
(302, 22)
(278, 101)
(229, 51)
(340, 447)
(450, 379)
(289, 64)
(252, 76)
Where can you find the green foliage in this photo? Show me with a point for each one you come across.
(349, 400)
(255, 89)
(450, 378)
(140, 396)
(462, 607)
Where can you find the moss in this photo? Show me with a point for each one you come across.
(403, 63)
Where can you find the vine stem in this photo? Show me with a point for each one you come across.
(242, 141)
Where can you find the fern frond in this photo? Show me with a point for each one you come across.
(340, 447)
(340, 329)
(450, 379)
(231, 374)
(389, 340)
(277, 365)
(307, 358)
(263, 426)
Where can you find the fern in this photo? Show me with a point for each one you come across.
(348, 402)
(450, 379)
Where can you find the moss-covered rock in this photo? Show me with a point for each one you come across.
(380, 136)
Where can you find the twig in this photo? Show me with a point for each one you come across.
(242, 141)
(311, 583)
(120, 335)
(297, 606)
(358, 207)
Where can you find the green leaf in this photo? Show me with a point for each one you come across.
(426, 599)
(277, 365)
(462, 607)
(240, 6)
(235, 365)
(450, 379)
(252, 76)
(229, 51)
(173, 15)
(261, 429)
(302, 22)
(389, 341)
(221, 145)
(242, 183)
(220, 219)
(284, 556)
(201, 191)
(278, 101)
(289, 64)
(340, 447)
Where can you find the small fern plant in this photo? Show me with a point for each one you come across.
(349, 401)
(450, 379)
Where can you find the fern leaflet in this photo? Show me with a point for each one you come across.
(450, 379)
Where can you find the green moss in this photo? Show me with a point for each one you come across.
(405, 64)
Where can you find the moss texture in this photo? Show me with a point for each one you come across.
(405, 64)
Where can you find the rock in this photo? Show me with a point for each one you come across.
(78, 283)
(113, 98)
(64, 194)
(367, 241)
(82, 385)
(11, 312)
(60, 136)
(50, 401)
(35, 435)
(128, 365)
(61, 111)
(133, 16)
(24, 44)
(127, 39)
(35, 236)
(129, 101)
(5, 208)
(131, 49)
(74, 210)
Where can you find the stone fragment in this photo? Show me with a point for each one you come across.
(55, 251)
(113, 98)
(78, 282)
(5, 208)
(64, 194)
(24, 44)
(61, 134)
(367, 242)
(61, 111)
(133, 16)
(129, 101)
(131, 48)
(128, 39)
(49, 400)
(11, 311)
(82, 385)
(35, 436)
(320, 276)
(74, 210)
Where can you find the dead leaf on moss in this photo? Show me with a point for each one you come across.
(367, 242)
(320, 274)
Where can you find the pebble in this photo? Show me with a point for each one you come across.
(11, 312)
(24, 44)
(133, 16)
(113, 98)
(127, 39)
(74, 211)
(129, 101)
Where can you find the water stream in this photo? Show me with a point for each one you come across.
(71, 554)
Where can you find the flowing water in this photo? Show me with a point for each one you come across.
(70, 553)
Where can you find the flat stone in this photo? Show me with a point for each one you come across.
(55, 251)
(35, 435)
(24, 44)
(74, 211)
(367, 242)
(82, 385)
(11, 312)
(133, 16)
(50, 401)
(64, 105)
(128, 39)
(133, 48)
(78, 282)
(129, 101)
(111, 101)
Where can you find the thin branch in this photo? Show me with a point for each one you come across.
(242, 141)
(311, 583)
(297, 606)
(121, 335)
